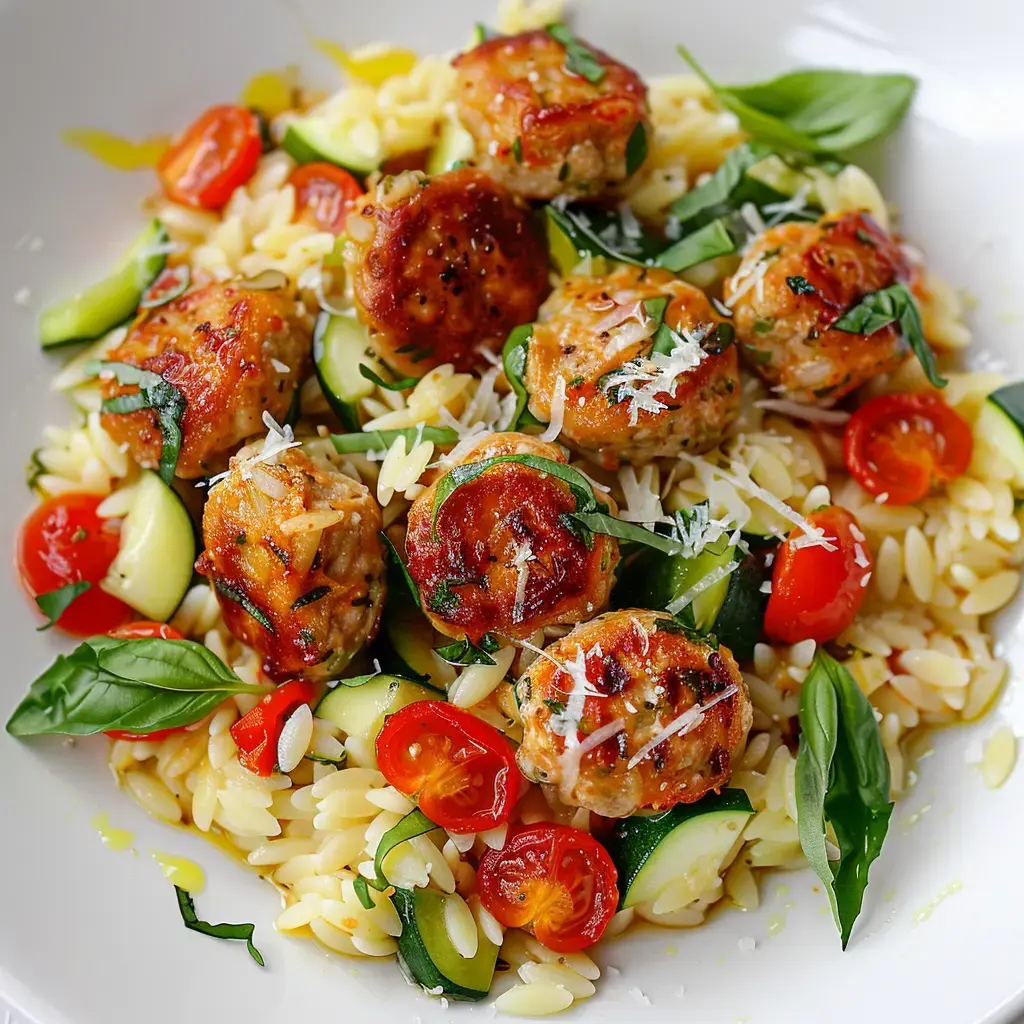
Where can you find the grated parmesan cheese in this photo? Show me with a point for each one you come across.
(574, 754)
(798, 411)
(279, 439)
(554, 427)
(686, 722)
(521, 561)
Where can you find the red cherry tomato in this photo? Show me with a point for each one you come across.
(256, 734)
(64, 541)
(557, 881)
(462, 770)
(144, 630)
(899, 445)
(215, 155)
(816, 592)
(325, 194)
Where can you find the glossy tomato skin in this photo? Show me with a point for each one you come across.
(217, 153)
(816, 593)
(324, 193)
(556, 881)
(256, 733)
(899, 445)
(462, 770)
(64, 541)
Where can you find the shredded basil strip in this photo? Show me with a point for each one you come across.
(816, 111)
(310, 597)
(598, 522)
(242, 932)
(800, 285)
(465, 652)
(396, 560)
(842, 777)
(135, 685)
(513, 356)
(664, 338)
(363, 893)
(154, 393)
(402, 384)
(54, 603)
(636, 148)
(414, 824)
(894, 304)
(240, 598)
(706, 243)
(381, 440)
(579, 58)
(606, 233)
(579, 485)
(719, 189)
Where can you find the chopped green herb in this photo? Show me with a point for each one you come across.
(556, 706)
(395, 560)
(579, 58)
(54, 603)
(758, 356)
(240, 539)
(563, 171)
(402, 384)
(236, 595)
(706, 243)
(443, 599)
(311, 596)
(869, 240)
(465, 652)
(517, 150)
(575, 382)
(763, 326)
(79, 535)
(242, 932)
(636, 148)
(800, 285)
(34, 470)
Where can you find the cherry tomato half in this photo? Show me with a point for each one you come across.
(324, 193)
(557, 881)
(899, 445)
(215, 155)
(256, 734)
(816, 592)
(64, 541)
(462, 770)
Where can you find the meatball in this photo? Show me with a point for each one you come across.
(635, 674)
(500, 555)
(542, 128)
(231, 353)
(293, 550)
(795, 281)
(622, 402)
(443, 266)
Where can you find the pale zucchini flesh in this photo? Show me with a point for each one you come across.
(360, 710)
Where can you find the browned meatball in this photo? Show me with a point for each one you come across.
(795, 281)
(636, 673)
(501, 556)
(594, 343)
(443, 266)
(544, 129)
(231, 353)
(292, 547)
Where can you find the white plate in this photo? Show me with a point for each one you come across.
(92, 937)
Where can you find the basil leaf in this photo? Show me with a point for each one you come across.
(241, 598)
(722, 185)
(396, 560)
(513, 356)
(154, 393)
(578, 483)
(243, 932)
(134, 685)
(816, 111)
(707, 243)
(363, 892)
(842, 777)
(610, 233)
(599, 522)
(579, 58)
(54, 603)
(894, 304)
(465, 652)
(664, 338)
(800, 285)
(402, 384)
(414, 824)
(381, 440)
(310, 597)
(636, 148)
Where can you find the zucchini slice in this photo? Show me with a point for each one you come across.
(428, 954)
(318, 137)
(1001, 423)
(340, 345)
(455, 145)
(740, 621)
(359, 710)
(410, 637)
(153, 566)
(101, 307)
(689, 841)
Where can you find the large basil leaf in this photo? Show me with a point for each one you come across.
(816, 111)
(134, 685)
(894, 304)
(842, 777)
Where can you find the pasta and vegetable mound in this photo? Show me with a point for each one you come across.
(589, 509)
